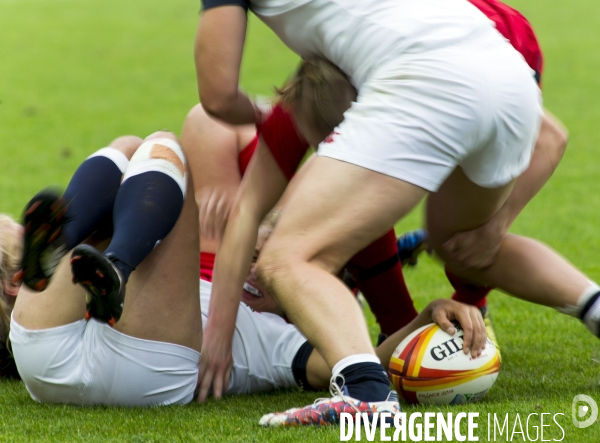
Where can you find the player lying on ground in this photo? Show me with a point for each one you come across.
(218, 157)
(11, 246)
(562, 288)
(66, 354)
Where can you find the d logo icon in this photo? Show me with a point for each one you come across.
(580, 411)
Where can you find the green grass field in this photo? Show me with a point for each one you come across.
(74, 75)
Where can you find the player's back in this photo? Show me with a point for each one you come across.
(359, 36)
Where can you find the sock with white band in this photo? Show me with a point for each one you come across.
(91, 194)
(148, 202)
(590, 313)
(587, 308)
(364, 377)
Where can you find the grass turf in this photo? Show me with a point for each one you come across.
(74, 75)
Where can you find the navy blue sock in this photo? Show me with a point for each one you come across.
(90, 195)
(146, 209)
(366, 381)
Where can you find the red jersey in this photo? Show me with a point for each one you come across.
(516, 29)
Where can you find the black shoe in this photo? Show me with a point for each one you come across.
(103, 282)
(45, 245)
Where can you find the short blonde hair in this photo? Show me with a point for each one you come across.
(11, 250)
(318, 95)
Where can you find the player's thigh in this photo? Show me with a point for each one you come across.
(162, 300)
(60, 304)
(461, 205)
(335, 210)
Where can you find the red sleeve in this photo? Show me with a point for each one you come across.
(286, 145)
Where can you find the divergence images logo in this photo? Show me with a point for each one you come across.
(580, 411)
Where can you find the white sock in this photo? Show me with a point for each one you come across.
(113, 154)
(587, 309)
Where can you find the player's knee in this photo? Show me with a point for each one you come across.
(272, 265)
(161, 134)
(161, 154)
(127, 144)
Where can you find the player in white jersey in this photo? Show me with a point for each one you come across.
(446, 108)
(149, 356)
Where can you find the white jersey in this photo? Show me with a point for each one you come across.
(359, 36)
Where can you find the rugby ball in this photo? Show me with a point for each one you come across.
(430, 367)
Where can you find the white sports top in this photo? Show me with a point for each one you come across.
(359, 35)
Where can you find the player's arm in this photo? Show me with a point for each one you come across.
(218, 49)
(212, 153)
(442, 312)
(262, 186)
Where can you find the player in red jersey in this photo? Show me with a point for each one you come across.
(549, 149)
(218, 160)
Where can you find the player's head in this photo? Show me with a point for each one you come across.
(317, 95)
(11, 250)
(253, 294)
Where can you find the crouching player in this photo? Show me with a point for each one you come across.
(98, 346)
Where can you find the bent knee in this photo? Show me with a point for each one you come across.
(161, 153)
(127, 144)
(161, 134)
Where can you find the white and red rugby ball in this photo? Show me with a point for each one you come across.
(430, 367)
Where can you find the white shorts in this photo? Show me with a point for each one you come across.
(89, 363)
(473, 105)
(264, 347)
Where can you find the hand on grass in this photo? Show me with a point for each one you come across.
(215, 364)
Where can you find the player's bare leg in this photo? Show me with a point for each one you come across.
(162, 301)
(207, 143)
(523, 267)
(61, 303)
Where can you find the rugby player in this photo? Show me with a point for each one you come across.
(11, 245)
(218, 157)
(65, 350)
(446, 108)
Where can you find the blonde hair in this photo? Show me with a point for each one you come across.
(318, 95)
(11, 250)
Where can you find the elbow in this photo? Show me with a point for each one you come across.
(218, 105)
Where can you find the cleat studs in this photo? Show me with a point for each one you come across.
(41, 284)
(33, 207)
(54, 236)
(19, 275)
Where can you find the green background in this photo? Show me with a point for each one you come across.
(76, 74)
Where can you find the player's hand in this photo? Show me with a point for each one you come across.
(214, 207)
(477, 249)
(215, 364)
(445, 311)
